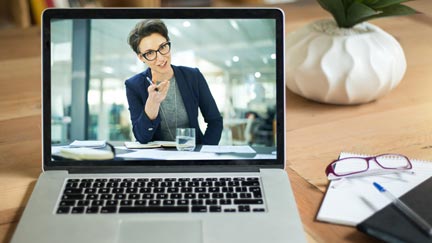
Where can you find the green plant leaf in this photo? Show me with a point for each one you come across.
(335, 8)
(348, 13)
(370, 2)
(385, 3)
(356, 12)
(347, 3)
(394, 10)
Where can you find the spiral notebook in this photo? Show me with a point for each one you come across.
(351, 200)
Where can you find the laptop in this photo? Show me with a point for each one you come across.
(235, 191)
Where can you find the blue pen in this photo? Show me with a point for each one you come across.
(148, 79)
(406, 210)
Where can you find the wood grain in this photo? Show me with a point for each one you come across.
(316, 133)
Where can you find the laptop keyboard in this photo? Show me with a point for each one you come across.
(162, 195)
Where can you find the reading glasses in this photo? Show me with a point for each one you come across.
(163, 49)
(353, 166)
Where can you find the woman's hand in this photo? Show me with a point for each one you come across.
(157, 94)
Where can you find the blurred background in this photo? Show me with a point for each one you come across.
(91, 59)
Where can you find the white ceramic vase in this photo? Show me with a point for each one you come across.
(334, 65)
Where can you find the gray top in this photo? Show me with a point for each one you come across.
(173, 113)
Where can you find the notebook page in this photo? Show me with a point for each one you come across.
(351, 200)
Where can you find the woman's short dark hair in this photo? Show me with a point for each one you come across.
(146, 28)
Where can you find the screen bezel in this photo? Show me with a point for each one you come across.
(162, 165)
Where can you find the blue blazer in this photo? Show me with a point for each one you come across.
(195, 93)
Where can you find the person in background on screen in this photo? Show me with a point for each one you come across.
(165, 97)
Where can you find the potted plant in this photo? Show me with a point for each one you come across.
(346, 60)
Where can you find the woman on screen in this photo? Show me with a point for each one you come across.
(165, 97)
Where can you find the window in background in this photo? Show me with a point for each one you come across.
(61, 66)
(112, 62)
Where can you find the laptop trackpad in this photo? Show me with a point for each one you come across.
(134, 231)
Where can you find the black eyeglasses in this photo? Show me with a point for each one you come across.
(163, 49)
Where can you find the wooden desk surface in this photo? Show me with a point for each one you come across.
(400, 122)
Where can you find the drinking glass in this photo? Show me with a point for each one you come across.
(185, 139)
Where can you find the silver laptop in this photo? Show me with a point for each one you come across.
(230, 187)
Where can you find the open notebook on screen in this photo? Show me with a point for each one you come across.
(134, 76)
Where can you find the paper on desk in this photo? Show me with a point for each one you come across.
(161, 154)
(352, 200)
(88, 143)
(244, 149)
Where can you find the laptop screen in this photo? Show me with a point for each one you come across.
(132, 78)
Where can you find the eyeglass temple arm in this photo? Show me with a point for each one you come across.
(329, 170)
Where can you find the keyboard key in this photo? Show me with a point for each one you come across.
(140, 202)
(245, 195)
(73, 180)
(145, 190)
(92, 210)
(106, 196)
(199, 209)
(153, 209)
(200, 189)
(108, 210)
(215, 209)
(131, 190)
(154, 202)
(189, 196)
(67, 203)
(227, 189)
(214, 189)
(231, 195)
(225, 201)
(112, 203)
(176, 196)
(173, 190)
(73, 191)
(63, 210)
(241, 189)
(71, 185)
(76, 210)
(147, 196)
(72, 197)
(203, 195)
(120, 196)
(250, 183)
(90, 191)
(83, 203)
(183, 202)
(217, 195)
(197, 202)
(186, 189)
(92, 197)
(134, 196)
(161, 196)
(211, 202)
(104, 190)
(244, 208)
(126, 203)
(168, 202)
(248, 201)
(97, 203)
